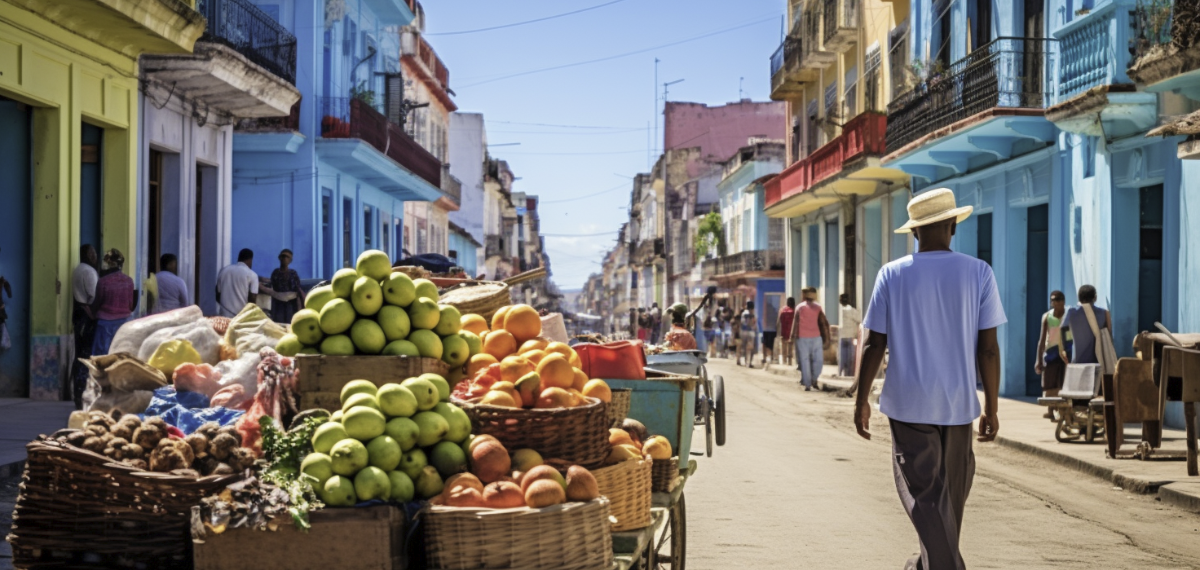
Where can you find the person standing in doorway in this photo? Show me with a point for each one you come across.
(1075, 323)
(237, 285)
(811, 331)
(172, 291)
(83, 320)
(116, 298)
(655, 323)
(847, 335)
(1053, 344)
(783, 324)
(747, 330)
(288, 296)
(935, 312)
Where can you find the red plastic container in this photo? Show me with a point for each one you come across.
(623, 360)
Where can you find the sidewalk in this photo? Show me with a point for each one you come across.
(21, 421)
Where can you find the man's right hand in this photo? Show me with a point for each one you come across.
(1038, 368)
(862, 418)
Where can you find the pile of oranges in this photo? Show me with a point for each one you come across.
(518, 368)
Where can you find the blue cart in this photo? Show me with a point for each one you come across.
(710, 392)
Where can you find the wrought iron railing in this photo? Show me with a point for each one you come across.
(271, 124)
(1008, 72)
(244, 27)
(744, 262)
(777, 58)
(1153, 25)
(349, 117)
(785, 58)
(838, 15)
(861, 136)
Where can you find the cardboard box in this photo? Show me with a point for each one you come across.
(322, 377)
(370, 538)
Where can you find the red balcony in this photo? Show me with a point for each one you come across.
(351, 118)
(864, 135)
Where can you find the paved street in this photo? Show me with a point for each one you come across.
(795, 487)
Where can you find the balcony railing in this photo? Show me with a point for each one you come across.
(1090, 56)
(451, 187)
(756, 261)
(861, 136)
(253, 33)
(1007, 73)
(492, 246)
(777, 58)
(271, 124)
(785, 65)
(813, 53)
(352, 118)
(841, 22)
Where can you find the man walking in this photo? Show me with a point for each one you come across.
(847, 334)
(783, 324)
(83, 292)
(811, 331)
(938, 310)
(237, 285)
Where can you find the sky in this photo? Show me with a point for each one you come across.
(585, 129)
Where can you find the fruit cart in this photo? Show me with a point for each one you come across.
(663, 544)
(710, 392)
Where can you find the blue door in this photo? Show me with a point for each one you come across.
(15, 243)
(1037, 289)
(833, 267)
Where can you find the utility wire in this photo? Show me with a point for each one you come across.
(515, 24)
(582, 235)
(561, 126)
(613, 189)
(618, 56)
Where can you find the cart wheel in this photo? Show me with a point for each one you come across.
(719, 408)
(670, 550)
(1063, 434)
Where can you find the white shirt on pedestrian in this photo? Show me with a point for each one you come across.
(83, 283)
(235, 283)
(932, 306)
(851, 318)
(172, 292)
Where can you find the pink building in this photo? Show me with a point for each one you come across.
(720, 131)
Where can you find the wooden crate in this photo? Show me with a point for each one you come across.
(322, 377)
(370, 538)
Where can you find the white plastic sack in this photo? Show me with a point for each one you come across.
(252, 330)
(243, 371)
(200, 333)
(132, 335)
(554, 328)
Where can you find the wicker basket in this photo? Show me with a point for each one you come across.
(578, 435)
(483, 298)
(618, 408)
(413, 271)
(627, 486)
(665, 474)
(571, 536)
(79, 509)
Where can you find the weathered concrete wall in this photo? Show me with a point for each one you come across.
(720, 131)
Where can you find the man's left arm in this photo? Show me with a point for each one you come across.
(823, 325)
(987, 358)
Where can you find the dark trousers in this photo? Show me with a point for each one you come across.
(934, 466)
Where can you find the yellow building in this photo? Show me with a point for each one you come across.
(68, 151)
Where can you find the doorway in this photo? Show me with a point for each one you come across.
(206, 264)
(154, 190)
(326, 234)
(90, 199)
(1150, 249)
(983, 239)
(16, 244)
(1037, 288)
(832, 266)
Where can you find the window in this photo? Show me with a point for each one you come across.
(940, 45)
(385, 237)
(347, 234)
(368, 227)
(871, 86)
(984, 240)
(983, 23)
(850, 99)
(327, 232)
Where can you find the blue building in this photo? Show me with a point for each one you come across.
(331, 180)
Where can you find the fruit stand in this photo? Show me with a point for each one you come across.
(663, 544)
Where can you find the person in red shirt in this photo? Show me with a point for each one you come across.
(784, 326)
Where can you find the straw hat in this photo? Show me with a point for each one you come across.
(933, 206)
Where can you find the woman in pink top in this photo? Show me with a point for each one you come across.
(115, 300)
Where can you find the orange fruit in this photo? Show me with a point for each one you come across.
(474, 323)
(534, 356)
(533, 344)
(510, 389)
(579, 400)
(555, 398)
(618, 436)
(575, 360)
(499, 344)
(513, 367)
(581, 380)
(523, 322)
(598, 389)
(556, 372)
(498, 318)
(561, 348)
(479, 362)
(499, 398)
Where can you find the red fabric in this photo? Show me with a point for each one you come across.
(621, 360)
(115, 293)
(785, 322)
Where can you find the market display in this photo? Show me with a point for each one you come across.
(152, 445)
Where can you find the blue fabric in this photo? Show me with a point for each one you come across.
(846, 357)
(106, 329)
(810, 355)
(1075, 320)
(172, 292)
(932, 306)
(187, 410)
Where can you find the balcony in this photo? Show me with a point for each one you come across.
(129, 28)
(813, 54)
(747, 264)
(451, 188)
(1168, 48)
(841, 24)
(1095, 96)
(788, 76)
(432, 72)
(493, 246)
(848, 164)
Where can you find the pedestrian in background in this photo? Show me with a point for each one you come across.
(116, 298)
(1075, 323)
(287, 296)
(655, 323)
(83, 320)
(237, 285)
(172, 291)
(710, 336)
(643, 324)
(769, 333)
(1053, 345)
(811, 331)
(747, 331)
(783, 324)
(847, 335)
(935, 313)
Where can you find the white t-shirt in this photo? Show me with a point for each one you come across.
(932, 306)
(83, 283)
(235, 283)
(850, 321)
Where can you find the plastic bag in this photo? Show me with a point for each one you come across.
(120, 382)
(233, 397)
(252, 330)
(171, 354)
(188, 410)
(243, 372)
(133, 334)
(202, 378)
(199, 333)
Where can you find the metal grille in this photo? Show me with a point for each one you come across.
(831, 101)
(871, 79)
(253, 33)
(1008, 72)
(898, 58)
(839, 14)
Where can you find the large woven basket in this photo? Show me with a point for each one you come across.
(618, 408)
(665, 474)
(571, 536)
(483, 298)
(79, 509)
(578, 435)
(627, 486)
